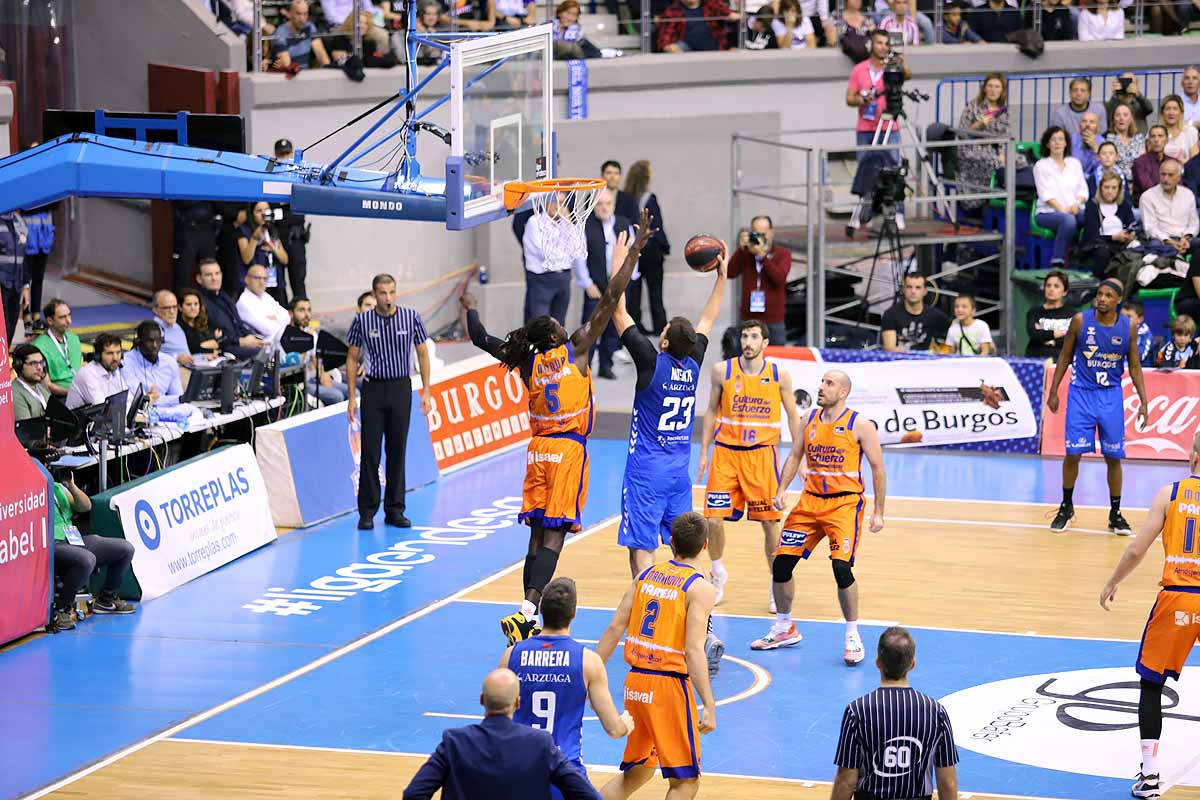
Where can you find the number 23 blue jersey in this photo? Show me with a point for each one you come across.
(1100, 352)
(660, 433)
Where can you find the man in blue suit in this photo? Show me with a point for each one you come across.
(498, 758)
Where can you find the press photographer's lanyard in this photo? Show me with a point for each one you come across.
(871, 112)
(62, 348)
(758, 298)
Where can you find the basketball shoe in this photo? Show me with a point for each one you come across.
(714, 649)
(1146, 786)
(718, 579)
(777, 637)
(1118, 525)
(517, 627)
(854, 650)
(1062, 519)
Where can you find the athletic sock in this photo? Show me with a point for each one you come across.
(1114, 504)
(1067, 496)
(528, 609)
(782, 622)
(852, 627)
(545, 561)
(717, 567)
(1150, 757)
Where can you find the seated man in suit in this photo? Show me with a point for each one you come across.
(236, 335)
(497, 757)
(591, 272)
(30, 394)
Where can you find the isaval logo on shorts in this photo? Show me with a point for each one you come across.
(718, 500)
(792, 538)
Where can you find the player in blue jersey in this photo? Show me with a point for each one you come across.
(558, 674)
(1098, 345)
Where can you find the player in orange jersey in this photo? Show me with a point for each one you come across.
(743, 417)
(834, 442)
(1174, 623)
(554, 367)
(664, 618)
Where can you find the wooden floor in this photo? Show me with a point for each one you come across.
(943, 564)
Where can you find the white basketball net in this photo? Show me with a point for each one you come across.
(561, 215)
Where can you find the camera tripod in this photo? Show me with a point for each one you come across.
(889, 235)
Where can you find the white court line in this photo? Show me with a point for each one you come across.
(991, 524)
(601, 768)
(316, 664)
(884, 623)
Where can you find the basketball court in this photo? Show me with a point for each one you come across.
(328, 664)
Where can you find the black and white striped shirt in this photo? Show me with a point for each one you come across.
(387, 341)
(895, 737)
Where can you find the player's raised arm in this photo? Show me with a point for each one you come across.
(1137, 549)
(620, 623)
(700, 598)
(712, 309)
(868, 440)
(1064, 360)
(583, 339)
(1135, 374)
(709, 429)
(475, 329)
(595, 676)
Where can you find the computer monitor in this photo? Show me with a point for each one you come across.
(64, 424)
(202, 385)
(31, 432)
(135, 405)
(114, 414)
(230, 383)
(253, 374)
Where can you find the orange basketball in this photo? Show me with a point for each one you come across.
(703, 252)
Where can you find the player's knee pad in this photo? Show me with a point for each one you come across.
(843, 575)
(782, 568)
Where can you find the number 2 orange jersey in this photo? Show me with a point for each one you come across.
(657, 632)
(750, 406)
(560, 396)
(1181, 540)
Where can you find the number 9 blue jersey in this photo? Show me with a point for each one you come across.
(1100, 353)
(553, 691)
(660, 433)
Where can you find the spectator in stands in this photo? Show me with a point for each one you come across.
(650, 262)
(374, 37)
(1107, 222)
(1145, 166)
(1169, 216)
(1086, 141)
(854, 31)
(428, 21)
(195, 236)
(1189, 86)
(1058, 24)
(817, 14)
(232, 333)
(1067, 116)
(77, 556)
(258, 243)
(366, 302)
(955, 30)
(898, 19)
(626, 206)
(514, 14)
(912, 325)
(1062, 192)
(39, 241)
(29, 393)
(99, 379)
(760, 33)
(967, 335)
(601, 231)
(1137, 321)
(792, 29)
(478, 16)
(175, 342)
(995, 21)
(293, 229)
(1047, 324)
(1182, 138)
(694, 25)
(986, 115)
(547, 281)
(864, 91)
(1127, 92)
(1103, 24)
(62, 349)
(569, 41)
(1125, 136)
(317, 381)
(1106, 161)
(146, 365)
(201, 340)
(1191, 176)
(763, 267)
(14, 278)
(259, 310)
(1180, 349)
(296, 46)
(1170, 17)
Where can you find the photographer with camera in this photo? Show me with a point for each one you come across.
(875, 88)
(258, 243)
(1125, 91)
(293, 231)
(764, 270)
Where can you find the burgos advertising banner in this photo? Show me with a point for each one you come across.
(201, 515)
(927, 402)
(479, 409)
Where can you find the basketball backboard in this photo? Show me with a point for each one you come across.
(501, 121)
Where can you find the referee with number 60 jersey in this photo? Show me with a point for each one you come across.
(388, 335)
(895, 739)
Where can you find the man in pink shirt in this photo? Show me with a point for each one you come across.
(865, 92)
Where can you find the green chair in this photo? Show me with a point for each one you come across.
(1159, 306)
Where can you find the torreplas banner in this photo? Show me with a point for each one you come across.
(926, 401)
(190, 520)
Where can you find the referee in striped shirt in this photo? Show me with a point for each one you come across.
(387, 335)
(895, 739)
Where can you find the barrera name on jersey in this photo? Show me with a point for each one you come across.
(1100, 353)
(560, 396)
(657, 632)
(1180, 539)
(553, 690)
(750, 406)
(834, 455)
(660, 432)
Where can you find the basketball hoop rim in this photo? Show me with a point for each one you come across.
(517, 192)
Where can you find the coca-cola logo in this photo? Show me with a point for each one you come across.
(1166, 416)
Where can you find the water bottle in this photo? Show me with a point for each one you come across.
(153, 417)
(482, 274)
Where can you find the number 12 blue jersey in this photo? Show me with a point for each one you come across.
(553, 691)
(1100, 352)
(660, 433)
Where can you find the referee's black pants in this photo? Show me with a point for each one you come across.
(385, 408)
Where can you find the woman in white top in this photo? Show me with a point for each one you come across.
(1103, 23)
(793, 29)
(1062, 191)
(968, 336)
(1182, 137)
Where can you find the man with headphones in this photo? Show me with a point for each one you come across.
(30, 394)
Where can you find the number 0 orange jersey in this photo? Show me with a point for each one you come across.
(658, 618)
(750, 406)
(560, 396)
(833, 453)
(1181, 540)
